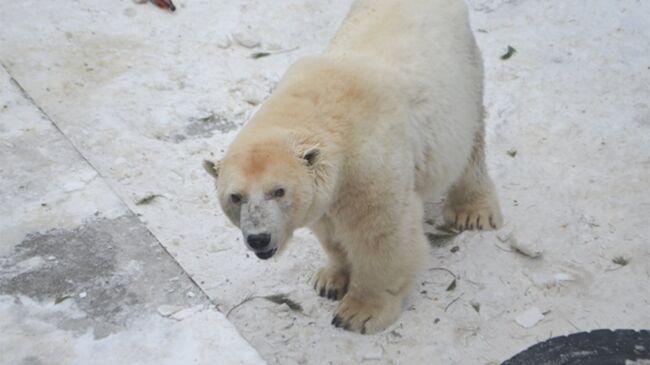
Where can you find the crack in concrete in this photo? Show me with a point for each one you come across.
(27, 96)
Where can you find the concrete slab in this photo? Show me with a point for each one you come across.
(145, 95)
(45, 182)
(82, 280)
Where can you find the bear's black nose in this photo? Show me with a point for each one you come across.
(258, 241)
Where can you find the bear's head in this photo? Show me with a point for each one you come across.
(269, 188)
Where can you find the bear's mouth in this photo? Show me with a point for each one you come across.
(267, 254)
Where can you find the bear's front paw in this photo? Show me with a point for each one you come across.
(331, 284)
(483, 213)
(364, 316)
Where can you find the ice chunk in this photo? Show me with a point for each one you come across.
(167, 310)
(530, 317)
(246, 39)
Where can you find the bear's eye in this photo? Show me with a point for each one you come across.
(278, 193)
(235, 198)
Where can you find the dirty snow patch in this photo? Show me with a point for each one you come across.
(205, 337)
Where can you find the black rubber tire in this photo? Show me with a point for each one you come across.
(599, 347)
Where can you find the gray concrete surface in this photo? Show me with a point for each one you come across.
(76, 262)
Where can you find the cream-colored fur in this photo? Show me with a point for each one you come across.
(389, 116)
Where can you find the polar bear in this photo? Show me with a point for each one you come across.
(353, 141)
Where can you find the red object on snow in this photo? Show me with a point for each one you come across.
(165, 4)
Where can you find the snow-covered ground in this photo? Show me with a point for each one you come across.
(144, 95)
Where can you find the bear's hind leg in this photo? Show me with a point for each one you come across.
(332, 280)
(472, 201)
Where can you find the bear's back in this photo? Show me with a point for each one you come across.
(408, 35)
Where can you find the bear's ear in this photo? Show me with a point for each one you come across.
(311, 155)
(212, 167)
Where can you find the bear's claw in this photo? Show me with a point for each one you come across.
(358, 316)
(331, 284)
(476, 220)
(481, 214)
(347, 324)
(336, 321)
(332, 294)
